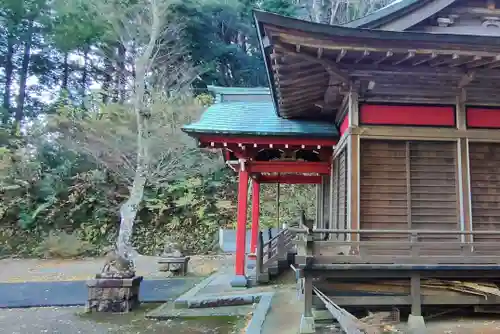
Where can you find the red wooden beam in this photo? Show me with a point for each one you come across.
(301, 167)
(488, 118)
(294, 141)
(290, 179)
(409, 115)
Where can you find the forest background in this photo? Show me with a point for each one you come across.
(68, 136)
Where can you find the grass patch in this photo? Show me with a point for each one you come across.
(136, 322)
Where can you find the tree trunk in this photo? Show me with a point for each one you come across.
(121, 76)
(9, 70)
(129, 209)
(334, 11)
(108, 78)
(65, 78)
(317, 11)
(83, 84)
(23, 77)
(128, 212)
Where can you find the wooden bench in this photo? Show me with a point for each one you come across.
(167, 261)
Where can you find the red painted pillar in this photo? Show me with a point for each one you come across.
(241, 228)
(255, 216)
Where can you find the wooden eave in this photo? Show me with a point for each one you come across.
(312, 66)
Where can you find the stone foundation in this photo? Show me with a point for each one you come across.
(113, 294)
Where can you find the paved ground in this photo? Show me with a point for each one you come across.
(62, 282)
(40, 294)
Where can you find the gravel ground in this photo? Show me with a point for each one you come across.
(30, 270)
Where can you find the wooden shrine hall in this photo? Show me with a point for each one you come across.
(396, 117)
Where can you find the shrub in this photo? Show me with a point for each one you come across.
(60, 244)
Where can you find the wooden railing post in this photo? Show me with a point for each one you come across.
(260, 257)
(269, 248)
(280, 245)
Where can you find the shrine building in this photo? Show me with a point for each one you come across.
(395, 117)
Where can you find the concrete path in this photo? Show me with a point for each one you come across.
(43, 294)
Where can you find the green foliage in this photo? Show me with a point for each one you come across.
(58, 200)
(62, 245)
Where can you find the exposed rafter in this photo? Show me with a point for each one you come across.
(329, 66)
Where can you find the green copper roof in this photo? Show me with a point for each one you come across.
(239, 90)
(256, 119)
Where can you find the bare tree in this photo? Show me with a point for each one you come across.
(140, 138)
(342, 11)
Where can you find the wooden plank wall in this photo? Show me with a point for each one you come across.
(408, 185)
(434, 187)
(485, 188)
(383, 187)
(339, 194)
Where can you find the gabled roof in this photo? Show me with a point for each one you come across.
(310, 65)
(256, 119)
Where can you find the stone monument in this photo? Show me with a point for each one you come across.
(116, 288)
(172, 260)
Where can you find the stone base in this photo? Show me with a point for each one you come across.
(307, 325)
(117, 295)
(416, 325)
(239, 281)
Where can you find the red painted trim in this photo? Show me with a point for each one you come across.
(241, 224)
(301, 167)
(290, 179)
(269, 140)
(344, 125)
(410, 115)
(486, 118)
(255, 215)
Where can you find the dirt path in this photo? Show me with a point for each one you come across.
(30, 270)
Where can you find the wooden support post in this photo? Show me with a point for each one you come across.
(240, 279)
(308, 295)
(255, 217)
(353, 169)
(416, 323)
(463, 169)
(353, 185)
(319, 205)
(307, 320)
(465, 198)
(416, 298)
(261, 276)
